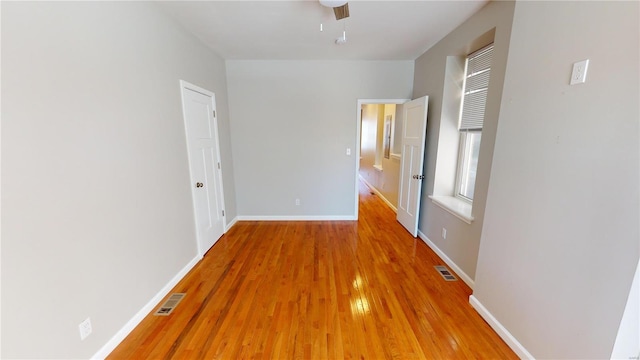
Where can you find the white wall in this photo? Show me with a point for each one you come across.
(431, 78)
(560, 241)
(96, 208)
(291, 123)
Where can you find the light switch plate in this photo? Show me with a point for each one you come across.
(579, 73)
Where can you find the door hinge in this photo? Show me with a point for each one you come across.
(218, 166)
(222, 212)
(214, 113)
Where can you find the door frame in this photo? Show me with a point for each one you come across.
(184, 85)
(359, 136)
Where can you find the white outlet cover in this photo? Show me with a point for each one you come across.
(85, 328)
(579, 73)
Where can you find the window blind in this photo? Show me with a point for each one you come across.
(475, 89)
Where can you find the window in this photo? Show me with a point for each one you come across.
(476, 83)
(468, 163)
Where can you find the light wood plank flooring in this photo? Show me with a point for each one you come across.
(315, 290)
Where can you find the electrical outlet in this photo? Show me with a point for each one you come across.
(85, 328)
(444, 233)
(297, 202)
(579, 73)
(348, 151)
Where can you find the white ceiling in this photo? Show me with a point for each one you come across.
(290, 30)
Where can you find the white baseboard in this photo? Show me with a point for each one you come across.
(499, 329)
(466, 278)
(230, 224)
(142, 313)
(379, 194)
(298, 218)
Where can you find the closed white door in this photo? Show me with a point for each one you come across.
(414, 131)
(199, 111)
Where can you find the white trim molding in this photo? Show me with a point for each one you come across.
(456, 207)
(627, 345)
(297, 218)
(456, 269)
(107, 348)
(499, 329)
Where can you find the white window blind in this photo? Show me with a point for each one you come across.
(475, 89)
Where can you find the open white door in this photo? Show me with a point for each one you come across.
(199, 111)
(414, 132)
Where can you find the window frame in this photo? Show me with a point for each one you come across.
(462, 171)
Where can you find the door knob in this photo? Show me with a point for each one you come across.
(199, 185)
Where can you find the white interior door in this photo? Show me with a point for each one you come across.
(199, 112)
(414, 132)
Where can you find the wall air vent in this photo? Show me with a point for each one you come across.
(446, 274)
(168, 306)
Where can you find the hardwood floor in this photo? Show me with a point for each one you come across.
(310, 290)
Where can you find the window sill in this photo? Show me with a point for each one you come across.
(378, 167)
(456, 207)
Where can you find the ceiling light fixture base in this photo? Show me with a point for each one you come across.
(332, 3)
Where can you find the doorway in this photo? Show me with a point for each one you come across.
(391, 135)
(205, 170)
(377, 151)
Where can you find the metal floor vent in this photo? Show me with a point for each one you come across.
(168, 306)
(446, 274)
